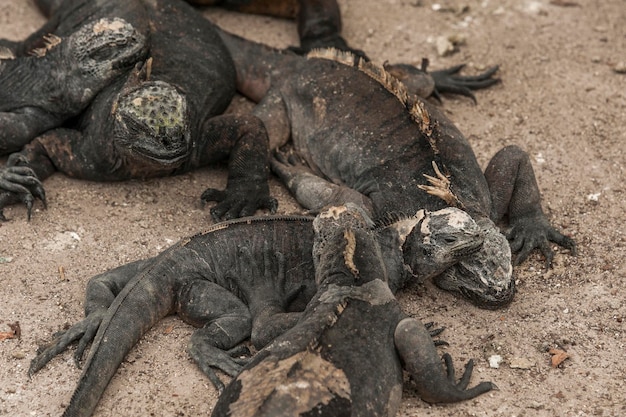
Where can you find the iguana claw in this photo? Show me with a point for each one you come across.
(209, 358)
(440, 187)
(436, 332)
(239, 200)
(19, 184)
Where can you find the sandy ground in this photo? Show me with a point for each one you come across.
(562, 98)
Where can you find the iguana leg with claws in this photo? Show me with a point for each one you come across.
(515, 195)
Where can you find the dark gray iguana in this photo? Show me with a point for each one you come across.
(366, 138)
(159, 118)
(345, 355)
(206, 278)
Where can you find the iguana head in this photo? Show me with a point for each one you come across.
(433, 241)
(486, 277)
(152, 124)
(103, 47)
(460, 254)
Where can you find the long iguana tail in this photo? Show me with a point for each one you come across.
(145, 300)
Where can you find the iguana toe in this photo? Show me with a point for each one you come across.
(241, 198)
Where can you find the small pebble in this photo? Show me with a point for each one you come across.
(18, 355)
(444, 46)
(521, 363)
(495, 361)
(620, 67)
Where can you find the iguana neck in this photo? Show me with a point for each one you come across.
(398, 273)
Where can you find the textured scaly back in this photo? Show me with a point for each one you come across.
(413, 104)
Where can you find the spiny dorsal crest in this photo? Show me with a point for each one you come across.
(6, 53)
(414, 105)
(50, 41)
(349, 251)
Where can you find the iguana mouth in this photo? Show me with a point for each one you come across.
(490, 299)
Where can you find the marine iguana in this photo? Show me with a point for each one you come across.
(162, 117)
(206, 278)
(366, 138)
(345, 355)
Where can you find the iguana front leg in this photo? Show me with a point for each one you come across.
(312, 191)
(515, 194)
(244, 138)
(100, 293)
(319, 26)
(419, 357)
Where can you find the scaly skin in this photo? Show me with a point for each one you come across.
(365, 138)
(345, 355)
(238, 279)
(156, 119)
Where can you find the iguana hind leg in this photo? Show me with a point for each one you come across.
(312, 191)
(224, 322)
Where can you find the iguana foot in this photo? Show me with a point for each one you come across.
(440, 187)
(461, 386)
(414, 345)
(83, 331)
(240, 199)
(526, 234)
(19, 184)
(426, 84)
(447, 81)
(209, 357)
(288, 165)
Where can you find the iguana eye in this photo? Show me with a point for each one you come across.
(450, 239)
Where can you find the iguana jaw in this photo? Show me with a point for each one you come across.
(152, 124)
(485, 278)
